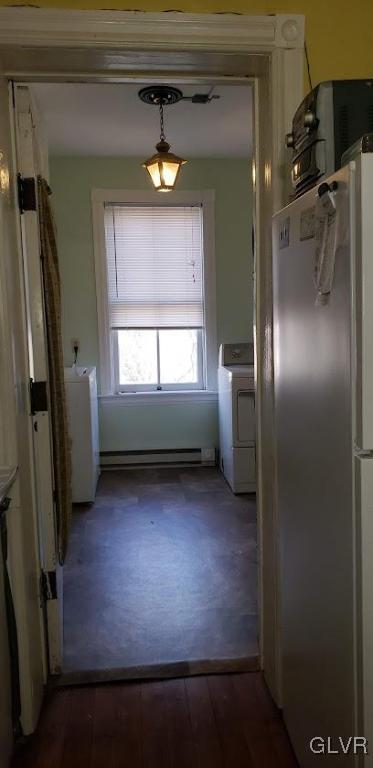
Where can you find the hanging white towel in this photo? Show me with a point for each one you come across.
(328, 239)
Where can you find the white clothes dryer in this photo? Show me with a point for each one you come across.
(237, 423)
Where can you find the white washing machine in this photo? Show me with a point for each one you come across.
(237, 424)
(82, 411)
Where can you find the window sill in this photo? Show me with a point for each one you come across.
(160, 398)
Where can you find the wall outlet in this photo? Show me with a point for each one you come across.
(75, 344)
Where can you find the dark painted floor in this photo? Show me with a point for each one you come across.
(161, 569)
(223, 721)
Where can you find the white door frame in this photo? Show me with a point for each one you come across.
(16, 440)
(107, 46)
(32, 160)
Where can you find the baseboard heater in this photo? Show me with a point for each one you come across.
(178, 456)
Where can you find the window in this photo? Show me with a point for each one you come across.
(155, 302)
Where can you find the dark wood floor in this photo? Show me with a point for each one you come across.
(220, 721)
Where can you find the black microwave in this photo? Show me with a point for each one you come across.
(331, 118)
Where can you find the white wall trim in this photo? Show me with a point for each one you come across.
(145, 197)
(176, 31)
(136, 399)
(206, 198)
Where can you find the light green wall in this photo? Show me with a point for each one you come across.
(72, 180)
(152, 427)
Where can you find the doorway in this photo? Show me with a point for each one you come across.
(279, 68)
(161, 571)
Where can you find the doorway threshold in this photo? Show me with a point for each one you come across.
(158, 671)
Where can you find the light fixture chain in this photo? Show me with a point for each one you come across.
(162, 136)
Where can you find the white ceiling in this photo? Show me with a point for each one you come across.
(105, 119)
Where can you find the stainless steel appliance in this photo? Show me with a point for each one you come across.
(330, 118)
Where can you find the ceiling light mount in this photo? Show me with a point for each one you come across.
(160, 95)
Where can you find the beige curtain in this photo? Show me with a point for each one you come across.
(52, 297)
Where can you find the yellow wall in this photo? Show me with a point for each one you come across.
(339, 32)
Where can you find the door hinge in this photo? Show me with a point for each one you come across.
(26, 193)
(48, 585)
(38, 396)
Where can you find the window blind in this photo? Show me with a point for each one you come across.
(154, 266)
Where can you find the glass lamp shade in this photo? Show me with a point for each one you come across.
(163, 168)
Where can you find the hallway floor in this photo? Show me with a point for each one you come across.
(161, 570)
(220, 721)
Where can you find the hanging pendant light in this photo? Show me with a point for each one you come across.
(164, 166)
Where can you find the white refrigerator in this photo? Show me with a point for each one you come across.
(323, 366)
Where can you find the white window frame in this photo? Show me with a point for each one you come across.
(165, 387)
(107, 349)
